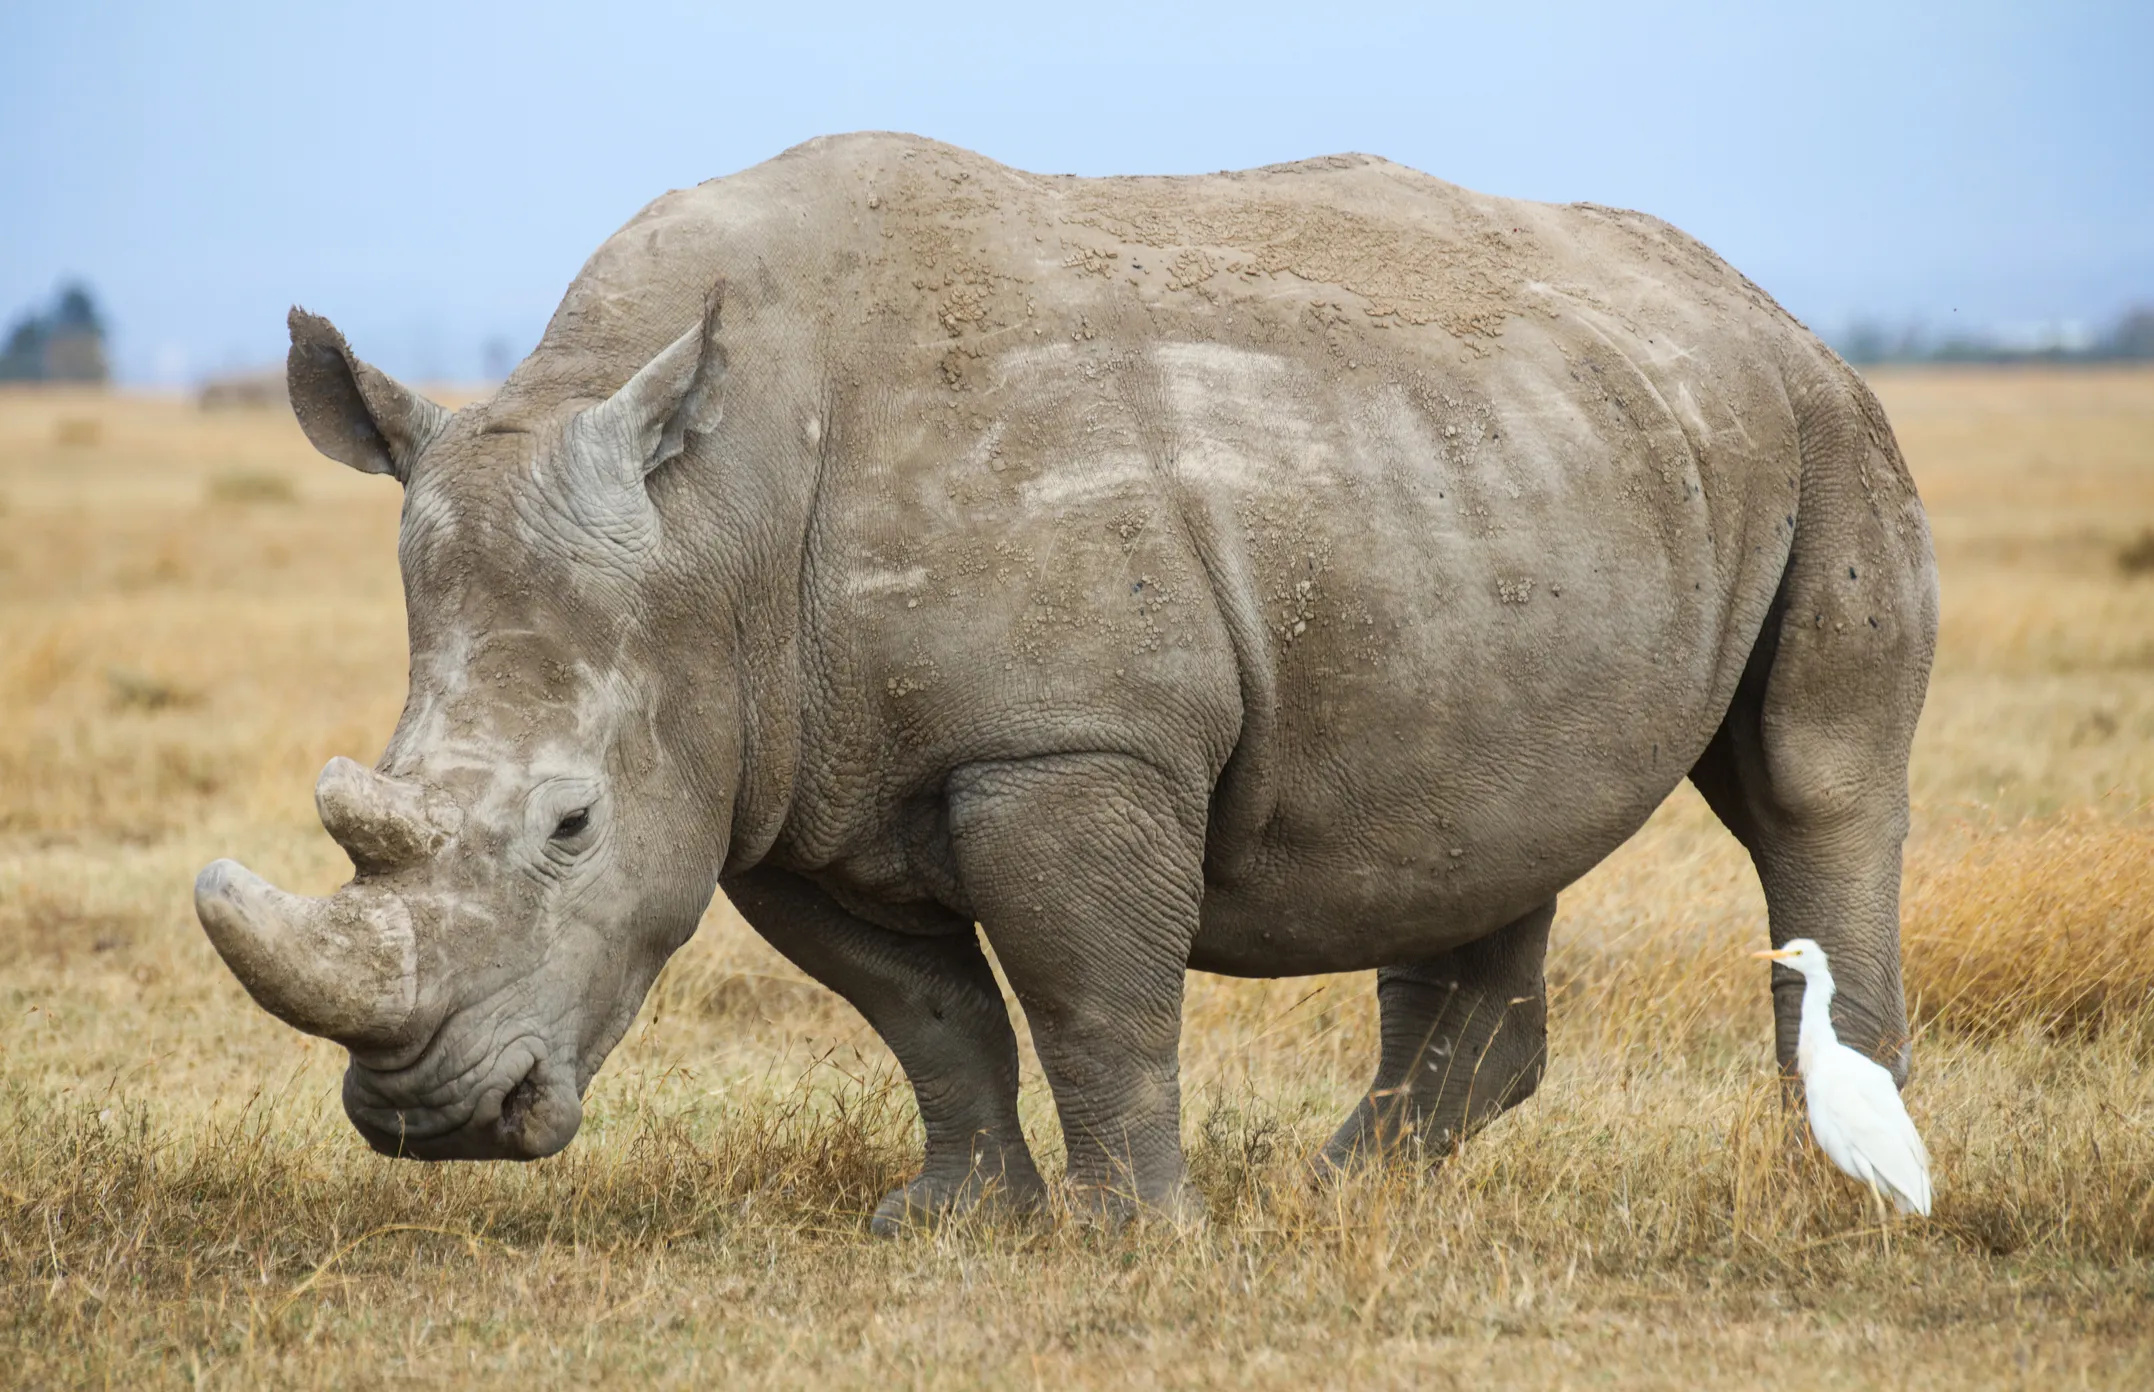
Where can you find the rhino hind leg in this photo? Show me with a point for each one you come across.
(1809, 766)
(1086, 871)
(1464, 1038)
(934, 1001)
(1809, 771)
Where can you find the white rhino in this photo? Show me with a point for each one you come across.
(1300, 570)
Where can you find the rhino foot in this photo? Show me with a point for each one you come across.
(931, 1199)
(1115, 1209)
(1465, 1038)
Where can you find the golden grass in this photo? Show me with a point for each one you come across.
(2050, 926)
(195, 612)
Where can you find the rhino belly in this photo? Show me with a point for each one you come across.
(1428, 879)
(1480, 761)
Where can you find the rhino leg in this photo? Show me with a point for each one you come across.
(935, 1002)
(1809, 771)
(1809, 766)
(1086, 870)
(1465, 1036)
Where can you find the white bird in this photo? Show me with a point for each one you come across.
(1855, 1110)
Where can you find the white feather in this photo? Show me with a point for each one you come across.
(1855, 1110)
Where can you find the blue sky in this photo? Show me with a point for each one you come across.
(432, 175)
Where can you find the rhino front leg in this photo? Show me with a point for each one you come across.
(1465, 1036)
(1086, 870)
(934, 1001)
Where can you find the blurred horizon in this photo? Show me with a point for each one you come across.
(433, 177)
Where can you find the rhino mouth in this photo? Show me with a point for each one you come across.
(519, 1106)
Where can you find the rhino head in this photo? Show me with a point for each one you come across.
(543, 829)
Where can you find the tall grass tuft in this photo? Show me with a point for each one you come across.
(2049, 925)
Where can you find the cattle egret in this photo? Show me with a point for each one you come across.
(1855, 1110)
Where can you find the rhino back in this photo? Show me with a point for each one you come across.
(896, 240)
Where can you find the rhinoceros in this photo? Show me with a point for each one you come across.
(1314, 568)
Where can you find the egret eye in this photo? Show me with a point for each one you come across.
(573, 824)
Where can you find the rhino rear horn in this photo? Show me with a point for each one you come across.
(382, 823)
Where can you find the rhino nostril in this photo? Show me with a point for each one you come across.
(516, 1107)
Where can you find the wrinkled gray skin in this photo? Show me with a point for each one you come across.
(1302, 570)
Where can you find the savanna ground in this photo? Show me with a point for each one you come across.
(196, 612)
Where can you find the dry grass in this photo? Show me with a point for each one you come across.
(195, 613)
(2050, 927)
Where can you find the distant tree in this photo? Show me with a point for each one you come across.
(75, 338)
(65, 344)
(23, 360)
(76, 310)
(2130, 339)
(1866, 343)
(2133, 336)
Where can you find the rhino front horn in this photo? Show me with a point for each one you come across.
(344, 967)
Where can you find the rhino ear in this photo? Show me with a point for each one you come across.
(352, 411)
(679, 391)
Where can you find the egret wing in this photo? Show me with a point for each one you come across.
(1860, 1122)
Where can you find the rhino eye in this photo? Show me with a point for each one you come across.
(573, 824)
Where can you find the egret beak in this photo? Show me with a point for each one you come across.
(1776, 954)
